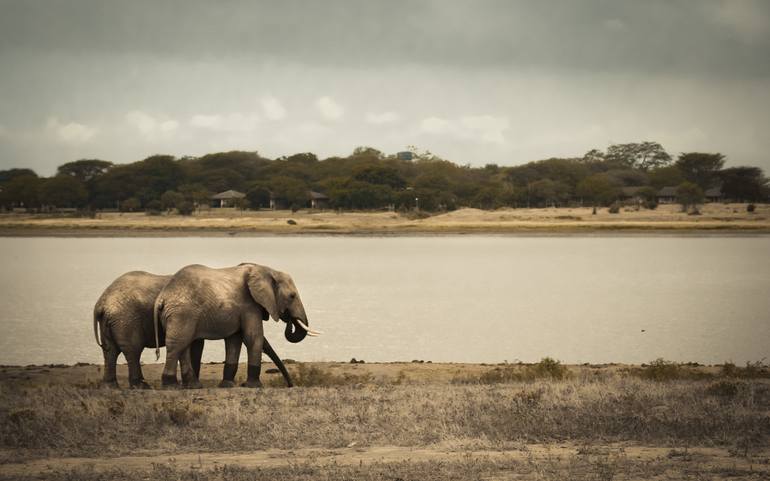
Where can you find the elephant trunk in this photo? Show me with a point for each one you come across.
(294, 331)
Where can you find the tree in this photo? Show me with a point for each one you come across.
(598, 189)
(258, 197)
(744, 184)
(700, 168)
(292, 192)
(665, 176)
(10, 174)
(381, 175)
(643, 156)
(21, 191)
(85, 170)
(689, 195)
(171, 199)
(63, 191)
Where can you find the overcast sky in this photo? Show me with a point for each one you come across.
(474, 82)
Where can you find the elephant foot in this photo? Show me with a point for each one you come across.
(110, 384)
(226, 383)
(140, 385)
(252, 383)
(169, 382)
(195, 384)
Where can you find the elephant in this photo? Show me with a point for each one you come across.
(123, 316)
(201, 302)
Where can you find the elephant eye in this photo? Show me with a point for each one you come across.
(292, 295)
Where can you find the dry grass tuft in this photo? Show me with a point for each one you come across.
(547, 368)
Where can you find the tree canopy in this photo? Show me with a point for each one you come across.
(370, 179)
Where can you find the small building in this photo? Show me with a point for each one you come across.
(714, 194)
(318, 200)
(667, 195)
(228, 198)
(631, 192)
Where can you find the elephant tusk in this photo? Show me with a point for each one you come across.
(309, 331)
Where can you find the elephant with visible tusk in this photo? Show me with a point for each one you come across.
(201, 302)
(123, 318)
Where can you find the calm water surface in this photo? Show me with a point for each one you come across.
(459, 299)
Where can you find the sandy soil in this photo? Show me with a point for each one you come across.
(223, 222)
(690, 461)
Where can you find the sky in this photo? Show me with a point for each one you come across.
(480, 82)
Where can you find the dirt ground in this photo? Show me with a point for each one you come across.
(416, 420)
(223, 222)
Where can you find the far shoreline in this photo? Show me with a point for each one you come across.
(666, 220)
(107, 233)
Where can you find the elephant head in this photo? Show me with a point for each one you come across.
(276, 293)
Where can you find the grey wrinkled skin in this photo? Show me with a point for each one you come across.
(123, 316)
(200, 302)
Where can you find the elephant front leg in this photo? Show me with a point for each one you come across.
(196, 353)
(232, 354)
(253, 337)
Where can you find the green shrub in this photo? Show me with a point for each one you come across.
(751, 208)
(614, 208)
(153, 207)
(185, 208)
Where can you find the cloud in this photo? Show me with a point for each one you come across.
(72, 132)
(232, 122)
(615, 25)
(479, 128)
(150, 126)
(382, 118)
(486, 127)
(272, 108)
(330, 110)
(746, 18)
(435, 125)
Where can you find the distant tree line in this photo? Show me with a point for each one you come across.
(369, 179)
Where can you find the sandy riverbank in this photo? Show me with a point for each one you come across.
(415, 420)
(714, 218)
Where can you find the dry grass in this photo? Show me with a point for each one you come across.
(68, 421)
(228, 221)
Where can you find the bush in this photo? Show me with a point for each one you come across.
(614, 208)
(751, 208)
(651, 204)
(185, 208)
(153, 207)
(547, 368)
(130, 205)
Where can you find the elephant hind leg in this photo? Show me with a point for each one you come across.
(135, 377)
(111, 353)
(189, 379)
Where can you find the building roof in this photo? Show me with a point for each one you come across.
(667, 191)
(317, 195)
(228, 194)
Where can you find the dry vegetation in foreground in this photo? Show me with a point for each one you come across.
(731, 217)
(444, 407)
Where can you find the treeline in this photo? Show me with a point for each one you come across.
(369, 179)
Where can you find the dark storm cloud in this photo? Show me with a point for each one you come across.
(716, 38)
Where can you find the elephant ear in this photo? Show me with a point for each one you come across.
(263, 289)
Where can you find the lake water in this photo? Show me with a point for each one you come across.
(452, 299)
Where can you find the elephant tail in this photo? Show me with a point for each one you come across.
(98, 316)
(155, 320)
(277, 361)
